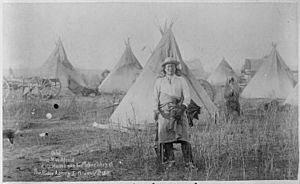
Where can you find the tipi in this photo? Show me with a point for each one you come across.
(196, 68)
(292, 97)
(273, 79)
(135, 110)
(123, 75)
(219, 76)
(58, 66)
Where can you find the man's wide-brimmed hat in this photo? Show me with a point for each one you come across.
(169, 60)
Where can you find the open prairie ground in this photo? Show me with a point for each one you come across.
(260, 145)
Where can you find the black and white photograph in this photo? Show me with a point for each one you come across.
(152, 91)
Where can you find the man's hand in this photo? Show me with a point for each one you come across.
(156, 114)
(179, 111)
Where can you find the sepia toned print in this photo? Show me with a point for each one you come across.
(153, 91)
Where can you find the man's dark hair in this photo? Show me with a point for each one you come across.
(163, 72)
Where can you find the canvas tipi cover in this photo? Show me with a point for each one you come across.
(196, 68)
(273, 79)
(123, 75)
(293, 97)
(58, 66)
(136, 108)
(219, 76)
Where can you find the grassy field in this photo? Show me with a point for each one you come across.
(260, 145)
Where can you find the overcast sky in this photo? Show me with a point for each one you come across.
(93, 34)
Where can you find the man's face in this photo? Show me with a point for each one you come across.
(170, 69)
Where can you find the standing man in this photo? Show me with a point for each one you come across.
(171, 98)
(231, 95)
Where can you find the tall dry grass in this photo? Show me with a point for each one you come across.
(262, 145)
(249, 148)
(258, 145)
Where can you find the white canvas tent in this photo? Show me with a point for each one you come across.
(136, 108)
(273, 80)
(123, 75)
(58, 66)
(223, 71)
(292, 97)
(197, 69)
